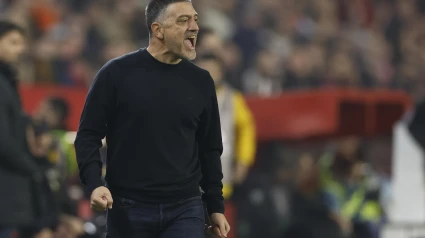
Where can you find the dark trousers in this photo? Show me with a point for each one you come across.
(131, 219)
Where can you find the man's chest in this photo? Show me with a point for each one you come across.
(167, 97)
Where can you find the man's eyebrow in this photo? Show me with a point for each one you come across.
(188, 16)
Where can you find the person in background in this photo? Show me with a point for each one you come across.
(51, 115)
(350, 190)
(237, 125)
(45, 201)
(264, 78)
(59, 209)
(310, 217)
(19, 173)
(210, 41)
(53, 112)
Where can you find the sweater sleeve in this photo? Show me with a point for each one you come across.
(210, 150)
(93, 127)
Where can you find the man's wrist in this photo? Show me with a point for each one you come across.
(92, 177)
(93, 185)
(216, 206)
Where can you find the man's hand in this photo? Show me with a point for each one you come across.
(101, 199)
(219, 225)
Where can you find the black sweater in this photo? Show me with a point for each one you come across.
(162, 130)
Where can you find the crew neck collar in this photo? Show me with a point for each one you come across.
(145, 53)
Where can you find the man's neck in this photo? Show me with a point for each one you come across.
(161, 53)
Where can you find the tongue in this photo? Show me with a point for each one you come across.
(188, 43)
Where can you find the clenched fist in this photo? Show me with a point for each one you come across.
(101, 199)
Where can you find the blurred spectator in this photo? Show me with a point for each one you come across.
(306, 43)
(55, 155)
(310, 217)
(238, 128)
(342, 71)
(350, 192)
(305, 66)
(265, 78)
(51, 118)
(20, 176)
(227, 52)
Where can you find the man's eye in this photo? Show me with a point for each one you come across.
(183, 20)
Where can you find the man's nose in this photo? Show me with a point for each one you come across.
(193, 26)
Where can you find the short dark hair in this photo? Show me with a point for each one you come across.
(7, 26)
(155, 8)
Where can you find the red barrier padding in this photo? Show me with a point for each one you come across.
(290, 116)
(327, 113)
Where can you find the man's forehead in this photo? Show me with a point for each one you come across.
(181, 9)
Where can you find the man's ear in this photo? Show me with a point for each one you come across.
(158, 30)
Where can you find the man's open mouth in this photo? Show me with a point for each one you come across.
(190, 42)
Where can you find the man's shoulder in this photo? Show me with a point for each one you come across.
(199, 72)
(195, 68)
(123, 60)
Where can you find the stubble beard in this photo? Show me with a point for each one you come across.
(179, 50)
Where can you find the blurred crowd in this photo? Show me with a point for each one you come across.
(266, 47)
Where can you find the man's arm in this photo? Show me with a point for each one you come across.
(11, 155)
(210, 149)
(93, 127)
